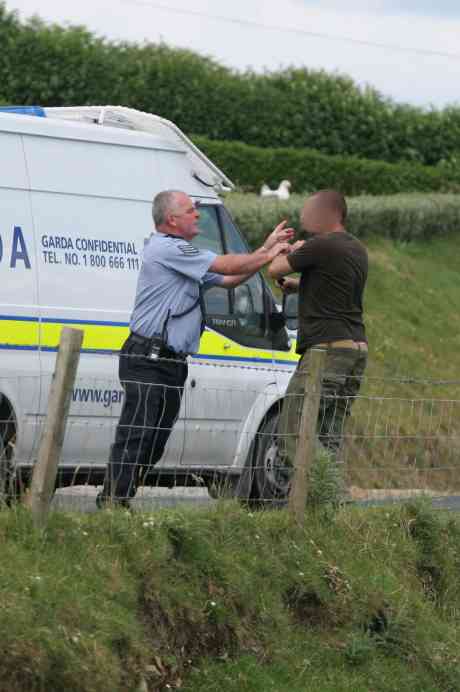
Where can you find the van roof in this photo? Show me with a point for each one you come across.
(131, 119)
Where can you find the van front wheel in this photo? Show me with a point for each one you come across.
(5, 475)
(271, 477)
(9, 488)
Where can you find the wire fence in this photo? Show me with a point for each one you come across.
(399, 438)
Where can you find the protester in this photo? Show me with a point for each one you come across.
(333, 268)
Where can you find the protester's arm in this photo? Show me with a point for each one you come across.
(281, 266)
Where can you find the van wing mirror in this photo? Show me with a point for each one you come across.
(291, 310)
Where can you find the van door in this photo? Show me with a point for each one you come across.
(20, 366)
(234, 364)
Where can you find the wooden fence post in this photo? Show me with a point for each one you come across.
(45, 470)
(306, 444)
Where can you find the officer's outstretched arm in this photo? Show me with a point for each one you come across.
(247, 264)
(236, 280)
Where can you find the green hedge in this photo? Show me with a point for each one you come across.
(307, 169)
(401, 217)
(52, 65)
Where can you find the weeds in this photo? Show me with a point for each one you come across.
(325, 481)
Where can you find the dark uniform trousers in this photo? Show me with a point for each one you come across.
(343, 372)
(153, 392)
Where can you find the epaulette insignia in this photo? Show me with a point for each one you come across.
(188, 249)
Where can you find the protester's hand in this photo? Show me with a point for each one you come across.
(280, 249)
(295, 246)
(288, 284)
(279, 235)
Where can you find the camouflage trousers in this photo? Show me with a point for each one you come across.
(343, 371)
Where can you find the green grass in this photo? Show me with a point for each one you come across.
(413, 325)
(222, 599)
(412, 303)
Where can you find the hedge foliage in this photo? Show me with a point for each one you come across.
(308, 169)
(52, 65)
(400, 217)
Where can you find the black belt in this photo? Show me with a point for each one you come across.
(164, 351)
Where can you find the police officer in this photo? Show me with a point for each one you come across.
(165, 327)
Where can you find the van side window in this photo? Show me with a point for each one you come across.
(234, 242)
(241, 313)
(209, 237)
(217, 300)
(258, 328)
(249, 307)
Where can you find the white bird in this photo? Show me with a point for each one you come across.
(281, 193)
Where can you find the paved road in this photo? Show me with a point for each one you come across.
(449, 502)
(83, 499)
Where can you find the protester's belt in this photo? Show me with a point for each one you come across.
(343, 343)
(156, 345)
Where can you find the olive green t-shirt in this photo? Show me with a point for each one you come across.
(333, 271)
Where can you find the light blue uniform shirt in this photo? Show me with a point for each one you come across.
(171, 274)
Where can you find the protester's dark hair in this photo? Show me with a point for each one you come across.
(335, 201)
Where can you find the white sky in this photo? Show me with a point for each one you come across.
(432, 25)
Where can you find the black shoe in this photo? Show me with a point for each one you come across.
(107, 502)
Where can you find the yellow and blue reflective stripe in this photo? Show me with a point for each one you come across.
(212, 348)
(21, 333)
(103, 337)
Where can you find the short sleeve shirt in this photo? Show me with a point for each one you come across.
(170, 278)
(333, 271)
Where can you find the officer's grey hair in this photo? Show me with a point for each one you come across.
(164, 203)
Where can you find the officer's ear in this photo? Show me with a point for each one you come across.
(171, 219)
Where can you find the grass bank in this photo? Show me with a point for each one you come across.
(222, 599)
(405, 432)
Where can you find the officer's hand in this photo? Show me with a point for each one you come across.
(279, 235)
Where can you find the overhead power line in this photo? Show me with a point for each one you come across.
(293, 30)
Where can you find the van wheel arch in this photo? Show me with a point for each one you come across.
(271, 481)
(8, 431)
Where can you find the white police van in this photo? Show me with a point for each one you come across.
(76, 186)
